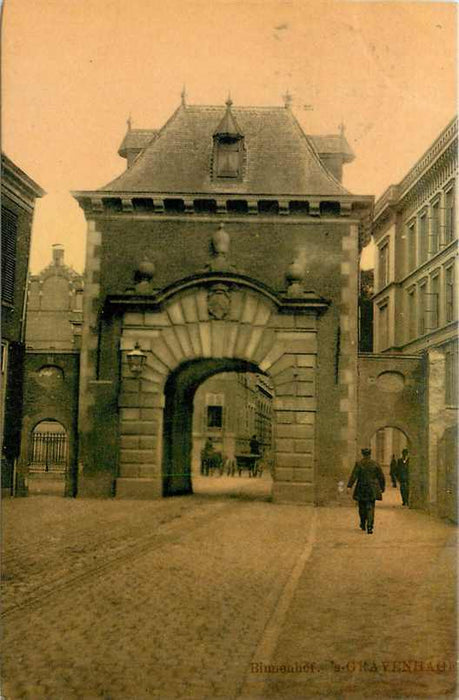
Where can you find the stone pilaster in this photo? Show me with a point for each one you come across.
(95, 398)
(347, 368)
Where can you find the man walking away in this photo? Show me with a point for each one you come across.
(370, 484)
(393, 471)
(403, 476)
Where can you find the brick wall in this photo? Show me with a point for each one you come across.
(260, 249)
(52, 396)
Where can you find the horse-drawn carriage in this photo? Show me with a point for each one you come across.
(244, 462)
(211, 462)
(215, 463)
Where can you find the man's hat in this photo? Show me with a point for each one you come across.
(366, 451)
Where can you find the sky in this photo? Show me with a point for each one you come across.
(74, 70)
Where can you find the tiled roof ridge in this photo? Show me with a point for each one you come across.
(325, 136)
(315, 154)
(236, 107)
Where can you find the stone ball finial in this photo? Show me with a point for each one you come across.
(295, 278)
(221, 241)
(145, 270)
(295, 272)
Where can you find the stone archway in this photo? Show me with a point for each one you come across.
(178, 411)
(199, 328)
(388, 440)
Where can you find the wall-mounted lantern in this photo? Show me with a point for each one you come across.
(136, 360)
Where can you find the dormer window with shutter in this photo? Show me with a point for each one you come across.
(228, 147)
(228, 154)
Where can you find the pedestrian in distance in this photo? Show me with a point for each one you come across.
(255, 451)
(403, 476)
(206, 456)
(254, 445)
(370, 484)
(393, 471)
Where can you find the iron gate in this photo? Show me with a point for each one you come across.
(49, 452)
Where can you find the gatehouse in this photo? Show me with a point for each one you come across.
(228, 244)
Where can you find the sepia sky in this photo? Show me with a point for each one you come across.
(73, 70)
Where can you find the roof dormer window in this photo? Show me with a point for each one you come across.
(228, 157)
(228, 147)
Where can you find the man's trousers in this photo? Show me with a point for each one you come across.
(405, 492)
(367, 514)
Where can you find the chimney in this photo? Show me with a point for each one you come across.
(58, 254)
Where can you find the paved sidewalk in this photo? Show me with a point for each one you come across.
(189, 597)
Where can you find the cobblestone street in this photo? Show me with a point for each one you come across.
(224, 594)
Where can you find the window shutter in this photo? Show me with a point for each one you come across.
(9, 236)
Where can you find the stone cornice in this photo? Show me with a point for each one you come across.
(104, 203)
(442, 151)
(307, 302)
(17, 185)
(377, 356)
(441, 143)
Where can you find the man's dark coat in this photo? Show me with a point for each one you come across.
(403, 470)
(370, 481)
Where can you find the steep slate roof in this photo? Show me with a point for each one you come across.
(280, 157)
(333, 144)
(136, 138)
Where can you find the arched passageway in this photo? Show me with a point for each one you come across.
(387, 442)
(180, 391)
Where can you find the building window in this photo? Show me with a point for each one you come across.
(451, 372)
(423, 238)
(450, 223)
(422, 320)
(434, 302)
(50, 373)
(411, 240)
(384, 265)
(215, 417)
(412, 319)
(383, 326)
(9, 237)
(449, 294)
(78, 300)
(214, 411)
(434, 228)
(228, 157)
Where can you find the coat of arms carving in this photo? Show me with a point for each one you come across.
(218, 301)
